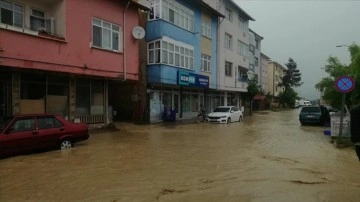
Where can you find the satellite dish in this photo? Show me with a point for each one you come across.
(138, 32)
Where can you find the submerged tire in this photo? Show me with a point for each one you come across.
(65, 144)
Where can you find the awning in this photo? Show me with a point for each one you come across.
(260, 97)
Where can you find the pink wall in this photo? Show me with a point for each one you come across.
(75, 55)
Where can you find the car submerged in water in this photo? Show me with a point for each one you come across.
(27, 133)
(225, 114)
(314, 115)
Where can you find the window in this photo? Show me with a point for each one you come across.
(11, 13)
(37, 20)
(106, 35)
(243, 49)
(256, 62)
(257, 42)
(174, 13)
(25, 124)
(228, 41)
(171, 52)
(228, 68)
(242, 24)
(206, 28)
(154, 10)
(205, 63)
(228, 14)
(48, 122)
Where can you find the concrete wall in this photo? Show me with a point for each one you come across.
(74, 54)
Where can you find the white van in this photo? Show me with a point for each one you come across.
(304, 103)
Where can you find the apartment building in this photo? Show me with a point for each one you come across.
(263, 78)
(275, 74)
(181, 56)
(60, 56)
(255, 52)
(233, 58)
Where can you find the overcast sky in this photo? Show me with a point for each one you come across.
(307, 31)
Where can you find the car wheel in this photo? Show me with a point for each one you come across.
(228, 120)
(65, 144)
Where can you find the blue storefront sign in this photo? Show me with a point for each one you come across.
(193, 80)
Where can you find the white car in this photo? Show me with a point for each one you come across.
(225, 114)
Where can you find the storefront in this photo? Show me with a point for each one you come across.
(185, 98)
(80, 99)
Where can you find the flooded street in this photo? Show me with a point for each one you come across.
(267, 157)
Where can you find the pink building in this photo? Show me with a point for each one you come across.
(61, 56)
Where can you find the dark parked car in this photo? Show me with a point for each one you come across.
(26, 133)
(315, 115)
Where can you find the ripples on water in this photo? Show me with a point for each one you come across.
(268, 157)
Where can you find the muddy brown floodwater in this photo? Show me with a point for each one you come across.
(267, 157)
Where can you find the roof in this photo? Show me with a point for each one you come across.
(242, 12)
(139, 5)
(209, 8)
(265, 56)
(256, 35)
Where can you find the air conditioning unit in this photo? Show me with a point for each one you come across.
(50, 25)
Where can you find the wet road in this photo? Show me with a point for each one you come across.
(268, 157)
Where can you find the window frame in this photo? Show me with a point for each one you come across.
(13, 12)
(205, 62)
(178, 54)
(206, 28)
(228, 69)
(242, 23)
(112, 29)
(228, 14)
(174, 13)
(228, 41)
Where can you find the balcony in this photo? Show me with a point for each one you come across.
(34, 17)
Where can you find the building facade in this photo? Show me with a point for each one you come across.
(255, 52)
(181, 56)
(60, 56)
(275, 74)
(263, 78)
(233, 59)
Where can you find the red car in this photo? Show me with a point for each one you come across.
(25, 133)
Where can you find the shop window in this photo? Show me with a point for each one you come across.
(97, 97)
(195, 103)
(33, 86)
(82, 97)
(185, 103)
(57, 95)
(167, 100)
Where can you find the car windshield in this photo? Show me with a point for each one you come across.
(4, 121)
(222, 109)
(310, 109)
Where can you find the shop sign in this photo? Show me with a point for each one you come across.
(193, 80)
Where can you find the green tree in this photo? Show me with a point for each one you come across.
(291, 78)
(335, 69)
(289, 96)
(253, 89)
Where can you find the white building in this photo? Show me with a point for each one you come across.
(233, 58)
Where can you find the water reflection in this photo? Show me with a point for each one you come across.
(268, 157)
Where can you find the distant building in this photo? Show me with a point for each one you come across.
(275, 74)
(263, 78)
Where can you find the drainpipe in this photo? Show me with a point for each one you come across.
(124, 41)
